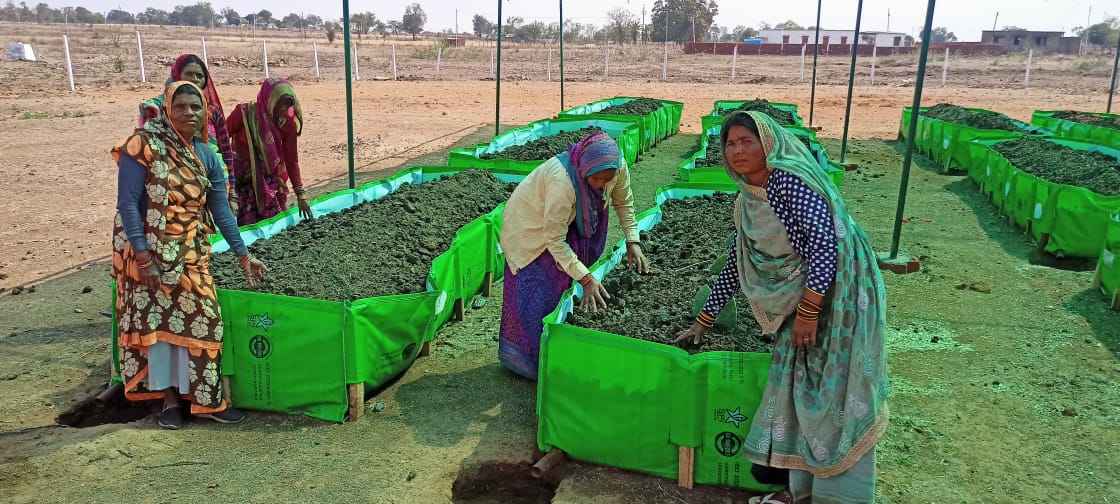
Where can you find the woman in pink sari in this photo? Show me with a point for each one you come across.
(264, 135)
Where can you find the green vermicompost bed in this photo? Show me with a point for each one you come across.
(298, 355)
(623, 402)
(947, 143)
(653, 127)
(715, 117)
(1108, 267)
(1065, 219)
(626, 133)
(1073, 130)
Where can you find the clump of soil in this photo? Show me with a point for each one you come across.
(714, 155)
(378, 248)
(1063, 165)
(977, 119)
(1088, 118)
(543, 148)
(639, 107)
(655, 307)
(782, 117)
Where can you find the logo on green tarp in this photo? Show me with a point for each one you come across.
(736, 417)
(728, 444)
(260, 347)
(261, 321)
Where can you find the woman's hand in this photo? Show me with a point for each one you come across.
(254, 270)
(594, 294)
(635, 259)
(804, 333)
(149, 275)
(694, 332)
(304, 209)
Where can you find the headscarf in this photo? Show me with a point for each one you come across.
(593, 154)
(151, 108)
(158, 146)
(263, 134)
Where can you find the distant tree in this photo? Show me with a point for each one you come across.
(618, 19)
(114, 16)
(1009, 28)
(687, 19)
(531, 32)
(739, 34)
(312, 20)
(942, 34)
(263, 18)
(414, 20)
(1103, 34)
(908, 40)
(482, 26)
(153, 16)
(789, 24)
(332, 31)
(231, 16)
(45, 14)
(292, 20)
(395, 27)
(9, 12)
(763, 25)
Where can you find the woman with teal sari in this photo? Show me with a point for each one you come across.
(813, 281)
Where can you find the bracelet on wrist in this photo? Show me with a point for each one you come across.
(243, 260)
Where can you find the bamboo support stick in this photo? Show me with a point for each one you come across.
(547, 463)
(686, 464)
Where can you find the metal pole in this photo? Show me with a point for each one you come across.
(851, 84)
(735, 60)
(357, 71)
(394, 55)
(69, 65)
(1027, 78)
(140, 53)
(498, 77)
(548, 68)
(439, 59)
(265, 59)
(561, 54)
(665, 63)
(491, 63)
(1112, 87)
(205, 60)
(802, 63)
(349, 90)
(945, 67)
(606, 64)
(315, 54)
(816, 52)
(915, 108)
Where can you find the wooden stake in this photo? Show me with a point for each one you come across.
(460, 310)
(547, 463)
(488, 284)
(686, 464)
(1116, 300)
(426, 350)
(356, 393)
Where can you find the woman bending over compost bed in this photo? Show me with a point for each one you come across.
(266, 153)
(812, 279)
(170, 195)
(189, 67)
(554, 225)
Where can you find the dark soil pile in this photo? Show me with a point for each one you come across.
(378, 248)
(542, 148)
(1087, 118)
(714, 155)
(783, 117)
(681, 249)
(980, 120)
(638, 107)
(1063, 165)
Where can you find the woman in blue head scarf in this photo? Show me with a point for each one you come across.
(554, 226)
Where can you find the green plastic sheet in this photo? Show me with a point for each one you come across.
(715, 117)
(689, 172)
(948, 143)
(653, 127)
(298, 355)
(1070, 221)
(623, 402)
(1078, 131)
(626, 133)
(1108, 267)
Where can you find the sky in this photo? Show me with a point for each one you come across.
(965, 18)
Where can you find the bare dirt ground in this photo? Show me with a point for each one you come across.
(1007, 396)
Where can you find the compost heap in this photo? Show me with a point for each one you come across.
(377, 248)
(979, 119)
(691, 237)
(783, 117)
(1088, 118)
(1059, 164)
(713, 156)
(638, 107)
(542, 148)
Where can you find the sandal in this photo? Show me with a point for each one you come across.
(229, 415)
(171, 417)
(782, 497)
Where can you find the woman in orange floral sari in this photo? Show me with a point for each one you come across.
(171, 194)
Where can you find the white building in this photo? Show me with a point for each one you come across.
(831, 37)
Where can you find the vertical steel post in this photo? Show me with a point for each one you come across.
(349, 90)
(851, 84)
(816, 52)
(498, 77)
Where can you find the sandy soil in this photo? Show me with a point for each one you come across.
(1007, 396)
